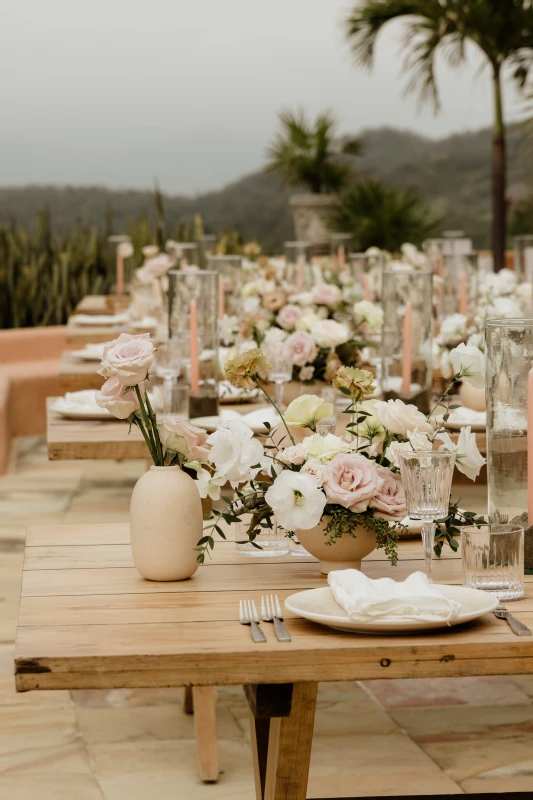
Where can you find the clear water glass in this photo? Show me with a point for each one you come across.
(427, 482)
(280, 359)
(271, 541)
(493, 559)
(326, 425)
(168, 366)
(177, 401)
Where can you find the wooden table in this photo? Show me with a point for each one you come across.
(102, 303)
(76, 374)
(88, 620)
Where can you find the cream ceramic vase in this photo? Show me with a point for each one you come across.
(471, 397)
(344, 553)
(165, 524)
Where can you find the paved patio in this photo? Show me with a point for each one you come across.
(378, 738)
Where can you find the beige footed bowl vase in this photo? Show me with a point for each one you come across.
(165, 524)
(344, 553)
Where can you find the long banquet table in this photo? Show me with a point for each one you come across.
(88, 620)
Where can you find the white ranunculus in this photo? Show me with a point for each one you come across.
(296, 501)
(234, 452)
(370, 313)
(401, 418)
(452, 329)
(324, 448)
(330, 334)
(305, 411)
(470, 362)
(315, 468)
(468, 459)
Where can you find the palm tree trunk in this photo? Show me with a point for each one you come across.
(499, 170)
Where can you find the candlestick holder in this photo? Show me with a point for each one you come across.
(509, 391)
(367, 274)
(406, 368)
(456, 289)
(193, 319)
(229, 269)
(523, 258)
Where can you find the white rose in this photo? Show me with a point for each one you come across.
(370, 313)
(304, 299)
(524, 291)
(305, 411)
(114, 397)
(234, 452)
(468, 459)
(330, 334)
(505, 281)
(129, 358)
(274, 336)
(251, 305)
(317, 469)
(401, 418)
(306, 373)
(452, 329)
(306, 322)
(296, 455)
(323, 448)
(505, 308)
(470, 362)
(296, 501)
(125, 249)
(391, 453)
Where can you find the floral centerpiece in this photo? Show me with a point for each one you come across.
(342, 494)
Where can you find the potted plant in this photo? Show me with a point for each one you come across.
(309, 154)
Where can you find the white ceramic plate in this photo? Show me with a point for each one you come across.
(91, 352)
(96, 320)
(461, 417)
(227, 393)
(319, 605)
(80, 405)
(254, 419)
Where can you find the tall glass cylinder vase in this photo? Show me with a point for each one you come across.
(298, 271)
(456, 286)
(406, 371)
(206, 245)
(367, 274)
(229, 269)
(186, 253)
(340, 244)
(523, 258)
(193, 305)
(509, 388)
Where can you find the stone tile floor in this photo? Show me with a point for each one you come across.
(378, 738)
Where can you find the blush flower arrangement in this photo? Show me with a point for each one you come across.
(300, 479)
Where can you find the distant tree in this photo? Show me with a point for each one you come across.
(382, 216)
(310, 154)
(501, 29)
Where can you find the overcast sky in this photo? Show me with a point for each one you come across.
(114, 92)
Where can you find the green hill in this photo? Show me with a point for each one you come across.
(452, 174)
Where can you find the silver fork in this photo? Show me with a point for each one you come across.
(248, 616)
(271, 612)
(516, 626)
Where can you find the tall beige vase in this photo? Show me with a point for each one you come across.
(165, 524)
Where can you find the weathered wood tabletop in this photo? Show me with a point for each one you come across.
(88, 620)
(76, 374)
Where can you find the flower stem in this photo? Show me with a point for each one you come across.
(153, 448)
(153, 420)
(258, 383)
(141, 427)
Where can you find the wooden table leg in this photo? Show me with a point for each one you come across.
(188, 706)
(282, 719)
(205, 731)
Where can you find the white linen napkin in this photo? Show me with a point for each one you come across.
(100, 319)
(415, 598)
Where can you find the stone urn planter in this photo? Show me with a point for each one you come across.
(308, 214)
(166, 523)
(344, 553)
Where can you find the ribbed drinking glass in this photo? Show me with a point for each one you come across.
(493, 559)
(427, 482)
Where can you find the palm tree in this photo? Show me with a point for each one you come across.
(310, 154)
(501, 29)
(382, 216)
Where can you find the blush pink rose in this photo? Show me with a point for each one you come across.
(128, 358)
(302, 347)
(289, 316)
(389, 499)
(324, 294)
(351, 481)
(114, 397)
(194, 437)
